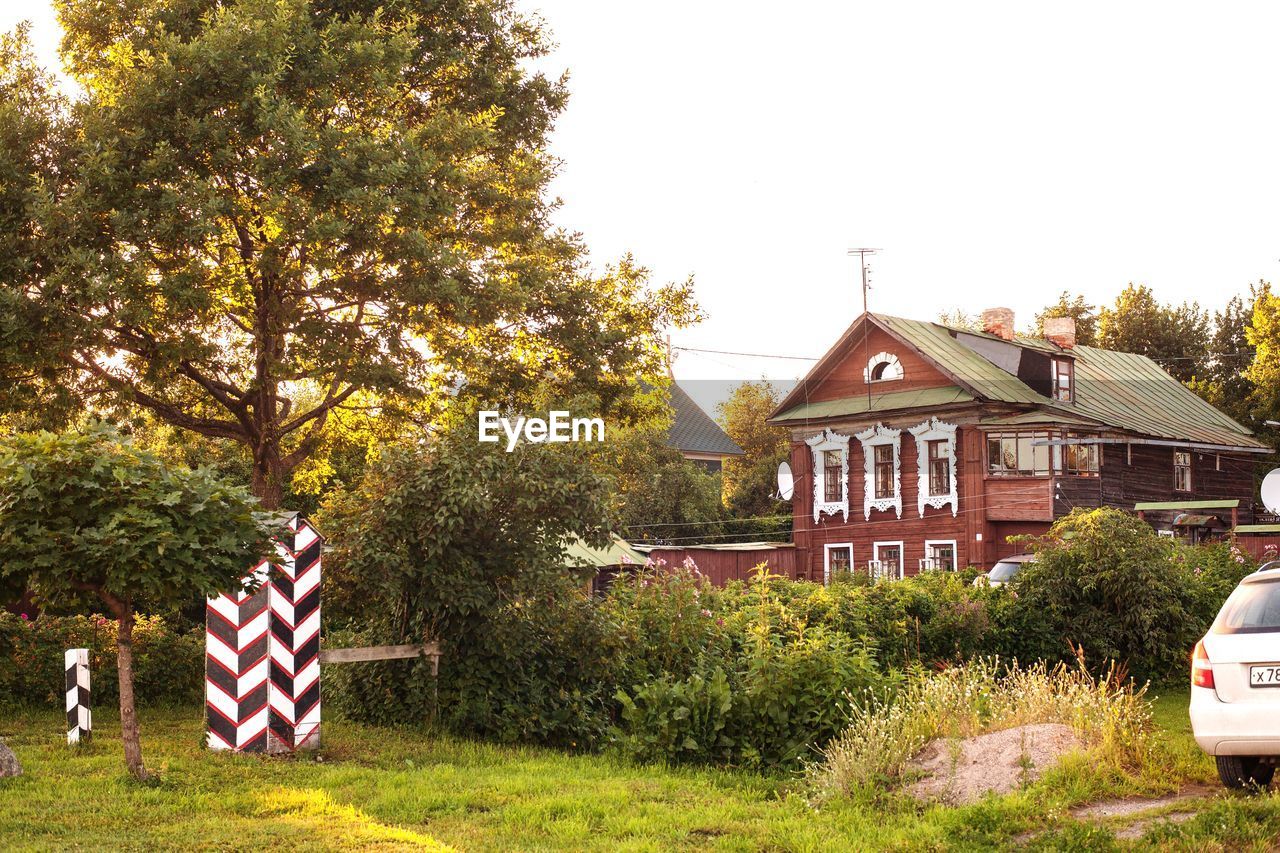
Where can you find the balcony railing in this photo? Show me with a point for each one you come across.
(884, 570)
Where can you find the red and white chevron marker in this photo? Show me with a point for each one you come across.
(262, 668)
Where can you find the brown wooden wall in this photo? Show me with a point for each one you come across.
(722, 566)
(1258, 545)
(1148, 476)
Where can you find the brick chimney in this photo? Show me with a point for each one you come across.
(1061, 330)
(998, 322)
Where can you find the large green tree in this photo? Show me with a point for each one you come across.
(1263, 334)
(262, 211)
(1077, 308)
(1176, 337)
(89, 520)
(750, 481)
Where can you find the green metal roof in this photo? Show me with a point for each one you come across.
(1257, 528)
(617, 553)
(1133, 392)
(879, 402)
(966, 366)
(1187, 505)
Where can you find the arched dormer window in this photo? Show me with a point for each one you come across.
(883, 367)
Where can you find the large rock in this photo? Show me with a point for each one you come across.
(9, 765)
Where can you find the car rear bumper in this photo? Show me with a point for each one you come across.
(1234, 728)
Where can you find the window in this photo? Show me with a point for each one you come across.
(1081, 459)
(839, 558)
(881, 474)
(883, 367)
(885, 487)
(935, 465)
(887, 564)
(832, 465)
(939, 554)
(1182, 470)
(1063, 373)
(939, 468)
(830, 459)
(1013, 454)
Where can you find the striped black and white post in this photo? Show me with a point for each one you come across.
(79, 717)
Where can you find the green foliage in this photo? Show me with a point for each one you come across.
(86, 514)
(1105, 581)
(678, 721)
(464, 543)
(750, 481)
(662, 496)
(1077, 308)
(168, 666)
(1176, 337)
(266, 211)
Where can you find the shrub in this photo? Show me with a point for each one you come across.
(1104, 580)
(678, 720)
(168, 666)
(885, 732)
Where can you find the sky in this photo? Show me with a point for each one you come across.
(996, 153)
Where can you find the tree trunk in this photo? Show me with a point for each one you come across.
(128, 713)
(268, 476)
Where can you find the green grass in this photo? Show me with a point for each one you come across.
(402, 788)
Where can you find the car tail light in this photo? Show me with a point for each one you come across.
(1201, 669)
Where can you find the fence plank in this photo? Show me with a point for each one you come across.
(371, 653)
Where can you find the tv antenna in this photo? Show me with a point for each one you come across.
(862, 254)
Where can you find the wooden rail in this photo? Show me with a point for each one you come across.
(372, 653)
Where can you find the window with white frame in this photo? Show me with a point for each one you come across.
(830, 474)
(887, 564)
(939, 555)
(882, 484)
(1182, 470)
(936, 464)
(1063, 379)
(882, 367)
(836, 558)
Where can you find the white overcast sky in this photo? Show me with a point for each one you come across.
(998, 153)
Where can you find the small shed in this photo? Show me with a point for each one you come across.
(608, 561)
(1261, 541)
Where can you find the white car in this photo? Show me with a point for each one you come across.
(1004, 570)
(1235, 682)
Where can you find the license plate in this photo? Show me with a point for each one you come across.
(1264, 676)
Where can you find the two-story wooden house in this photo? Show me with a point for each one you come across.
(915, 445)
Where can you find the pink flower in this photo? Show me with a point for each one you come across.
(25, 617)
(706, 613)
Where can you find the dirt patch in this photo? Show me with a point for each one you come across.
(961, 771)
(1134, 805)
(1134, 831)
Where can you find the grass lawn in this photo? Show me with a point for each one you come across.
(399, 788)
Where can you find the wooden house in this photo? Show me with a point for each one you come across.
(918, 446)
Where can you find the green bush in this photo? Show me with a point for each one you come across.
(678, 720)
(168, 666)
(1106, 582)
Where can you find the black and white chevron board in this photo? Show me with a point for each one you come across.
(262, 654)
(79, 715)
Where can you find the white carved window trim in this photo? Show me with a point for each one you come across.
(934, 430)
(818, 445)
(892, 371)
(955, 552)
(872, 437)
(877, 569)
(826, 558)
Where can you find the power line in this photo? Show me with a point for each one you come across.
(745, 354)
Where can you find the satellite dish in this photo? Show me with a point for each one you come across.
(1271, 492)
(787, 483)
